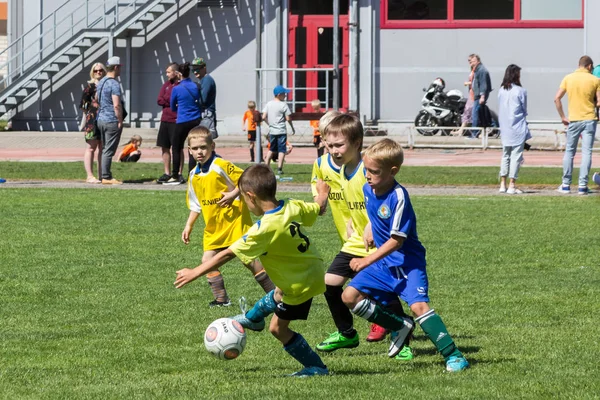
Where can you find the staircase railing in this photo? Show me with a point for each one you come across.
(68, 20)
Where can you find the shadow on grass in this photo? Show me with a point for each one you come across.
(140, 181)
(464, 349)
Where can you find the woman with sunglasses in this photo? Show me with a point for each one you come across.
(88, 124)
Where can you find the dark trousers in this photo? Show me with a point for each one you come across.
(183, 129)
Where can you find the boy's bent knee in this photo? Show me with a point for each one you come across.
(419, 308)
(351, 297)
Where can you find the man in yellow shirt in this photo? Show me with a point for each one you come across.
(583, 91)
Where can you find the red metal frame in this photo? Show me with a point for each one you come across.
(451, 23)
(312, 23)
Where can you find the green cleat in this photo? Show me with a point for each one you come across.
(338, 341)
(405, 354)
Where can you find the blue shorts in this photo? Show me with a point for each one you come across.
(384, 284)
(277, 143)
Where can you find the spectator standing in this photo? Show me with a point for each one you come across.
(512, 113)
(185, 102)
(92, 133)
(482, 86)
(207, 100)
(168, 121)
(110, 117)
(275, 114)
(583, 92)
(249, 125)
(467, 115)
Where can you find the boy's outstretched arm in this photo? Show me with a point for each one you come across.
(393, 244)
(186, 275)
(322, 195)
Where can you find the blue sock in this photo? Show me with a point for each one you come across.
(301, 351)
(263, 308)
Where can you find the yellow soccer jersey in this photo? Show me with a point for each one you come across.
(352, 189)
(206, 183)
(289, 258)
(326, 170)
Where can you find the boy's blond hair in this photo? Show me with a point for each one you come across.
(251, 104)
(326, 119)
(348, 126)
(386, 152)
(316, 103)
(200, 132)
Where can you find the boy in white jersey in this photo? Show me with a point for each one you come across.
(343, 137)
(397, 268)
(288, 256)
(212, 192)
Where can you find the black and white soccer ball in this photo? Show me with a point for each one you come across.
(225, 339)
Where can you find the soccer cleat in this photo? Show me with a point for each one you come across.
(456, 364)
(398, 338)
(249, 324)
(405, 354)
(216, 303)
(310, 371)
(338, 341)
(377, 333)
(565, 189)
(596, 178)
(163, 179)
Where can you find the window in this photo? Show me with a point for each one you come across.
(431, 14)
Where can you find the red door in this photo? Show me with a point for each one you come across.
(310, 45)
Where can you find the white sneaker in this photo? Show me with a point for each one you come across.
(502, 189)
(513, 190)
(596, 178)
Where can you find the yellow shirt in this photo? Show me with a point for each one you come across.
(326, 170)
(289, 258)
(206, 183)
(581, 87)
(352, 189)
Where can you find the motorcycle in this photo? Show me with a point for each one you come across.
(440, 108)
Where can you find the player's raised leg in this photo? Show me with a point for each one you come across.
(254, 319)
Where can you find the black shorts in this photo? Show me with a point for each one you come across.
(291, 313)
(166, 134)
(341, 265)
(317, 140)
(252, 136)
(131, 158)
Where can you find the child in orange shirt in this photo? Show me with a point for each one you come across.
(316, 106)
(249, 125)
(131, 152)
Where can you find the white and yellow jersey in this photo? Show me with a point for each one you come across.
(352, 190)
(325, 169)
(290, 259)
(206, 184)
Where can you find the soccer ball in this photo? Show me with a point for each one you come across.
(225, 339)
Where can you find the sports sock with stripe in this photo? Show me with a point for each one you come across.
(217, 286)
(434, 328)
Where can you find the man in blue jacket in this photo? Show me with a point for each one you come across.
(482, 86)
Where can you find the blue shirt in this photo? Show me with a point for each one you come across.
(512, 113)
(209, 92)
(183, 101)
(392, 214)
(107, 88)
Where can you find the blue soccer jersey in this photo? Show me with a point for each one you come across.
(392, 214)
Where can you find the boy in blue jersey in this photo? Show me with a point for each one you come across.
(287, 255)
(397, 268)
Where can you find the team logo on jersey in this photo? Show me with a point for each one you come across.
(230, 169)
(384, 211)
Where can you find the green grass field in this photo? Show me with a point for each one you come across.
(88, 308)
(143, 172)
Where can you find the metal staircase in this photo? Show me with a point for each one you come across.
(66, 40)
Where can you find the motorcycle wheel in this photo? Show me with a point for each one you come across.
(425, 120)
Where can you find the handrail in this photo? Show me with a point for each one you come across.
(28, 50)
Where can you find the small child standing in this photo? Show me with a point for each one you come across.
(317, 142)
(288, 256)
(131, 152)
(212, 192)
(275, 114)
(249, 124)
(397, 267)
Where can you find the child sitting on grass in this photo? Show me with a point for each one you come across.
(212, 192)
(288, 256)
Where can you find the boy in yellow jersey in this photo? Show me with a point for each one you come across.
(288, 256)
(343, 136)
(212, 192)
